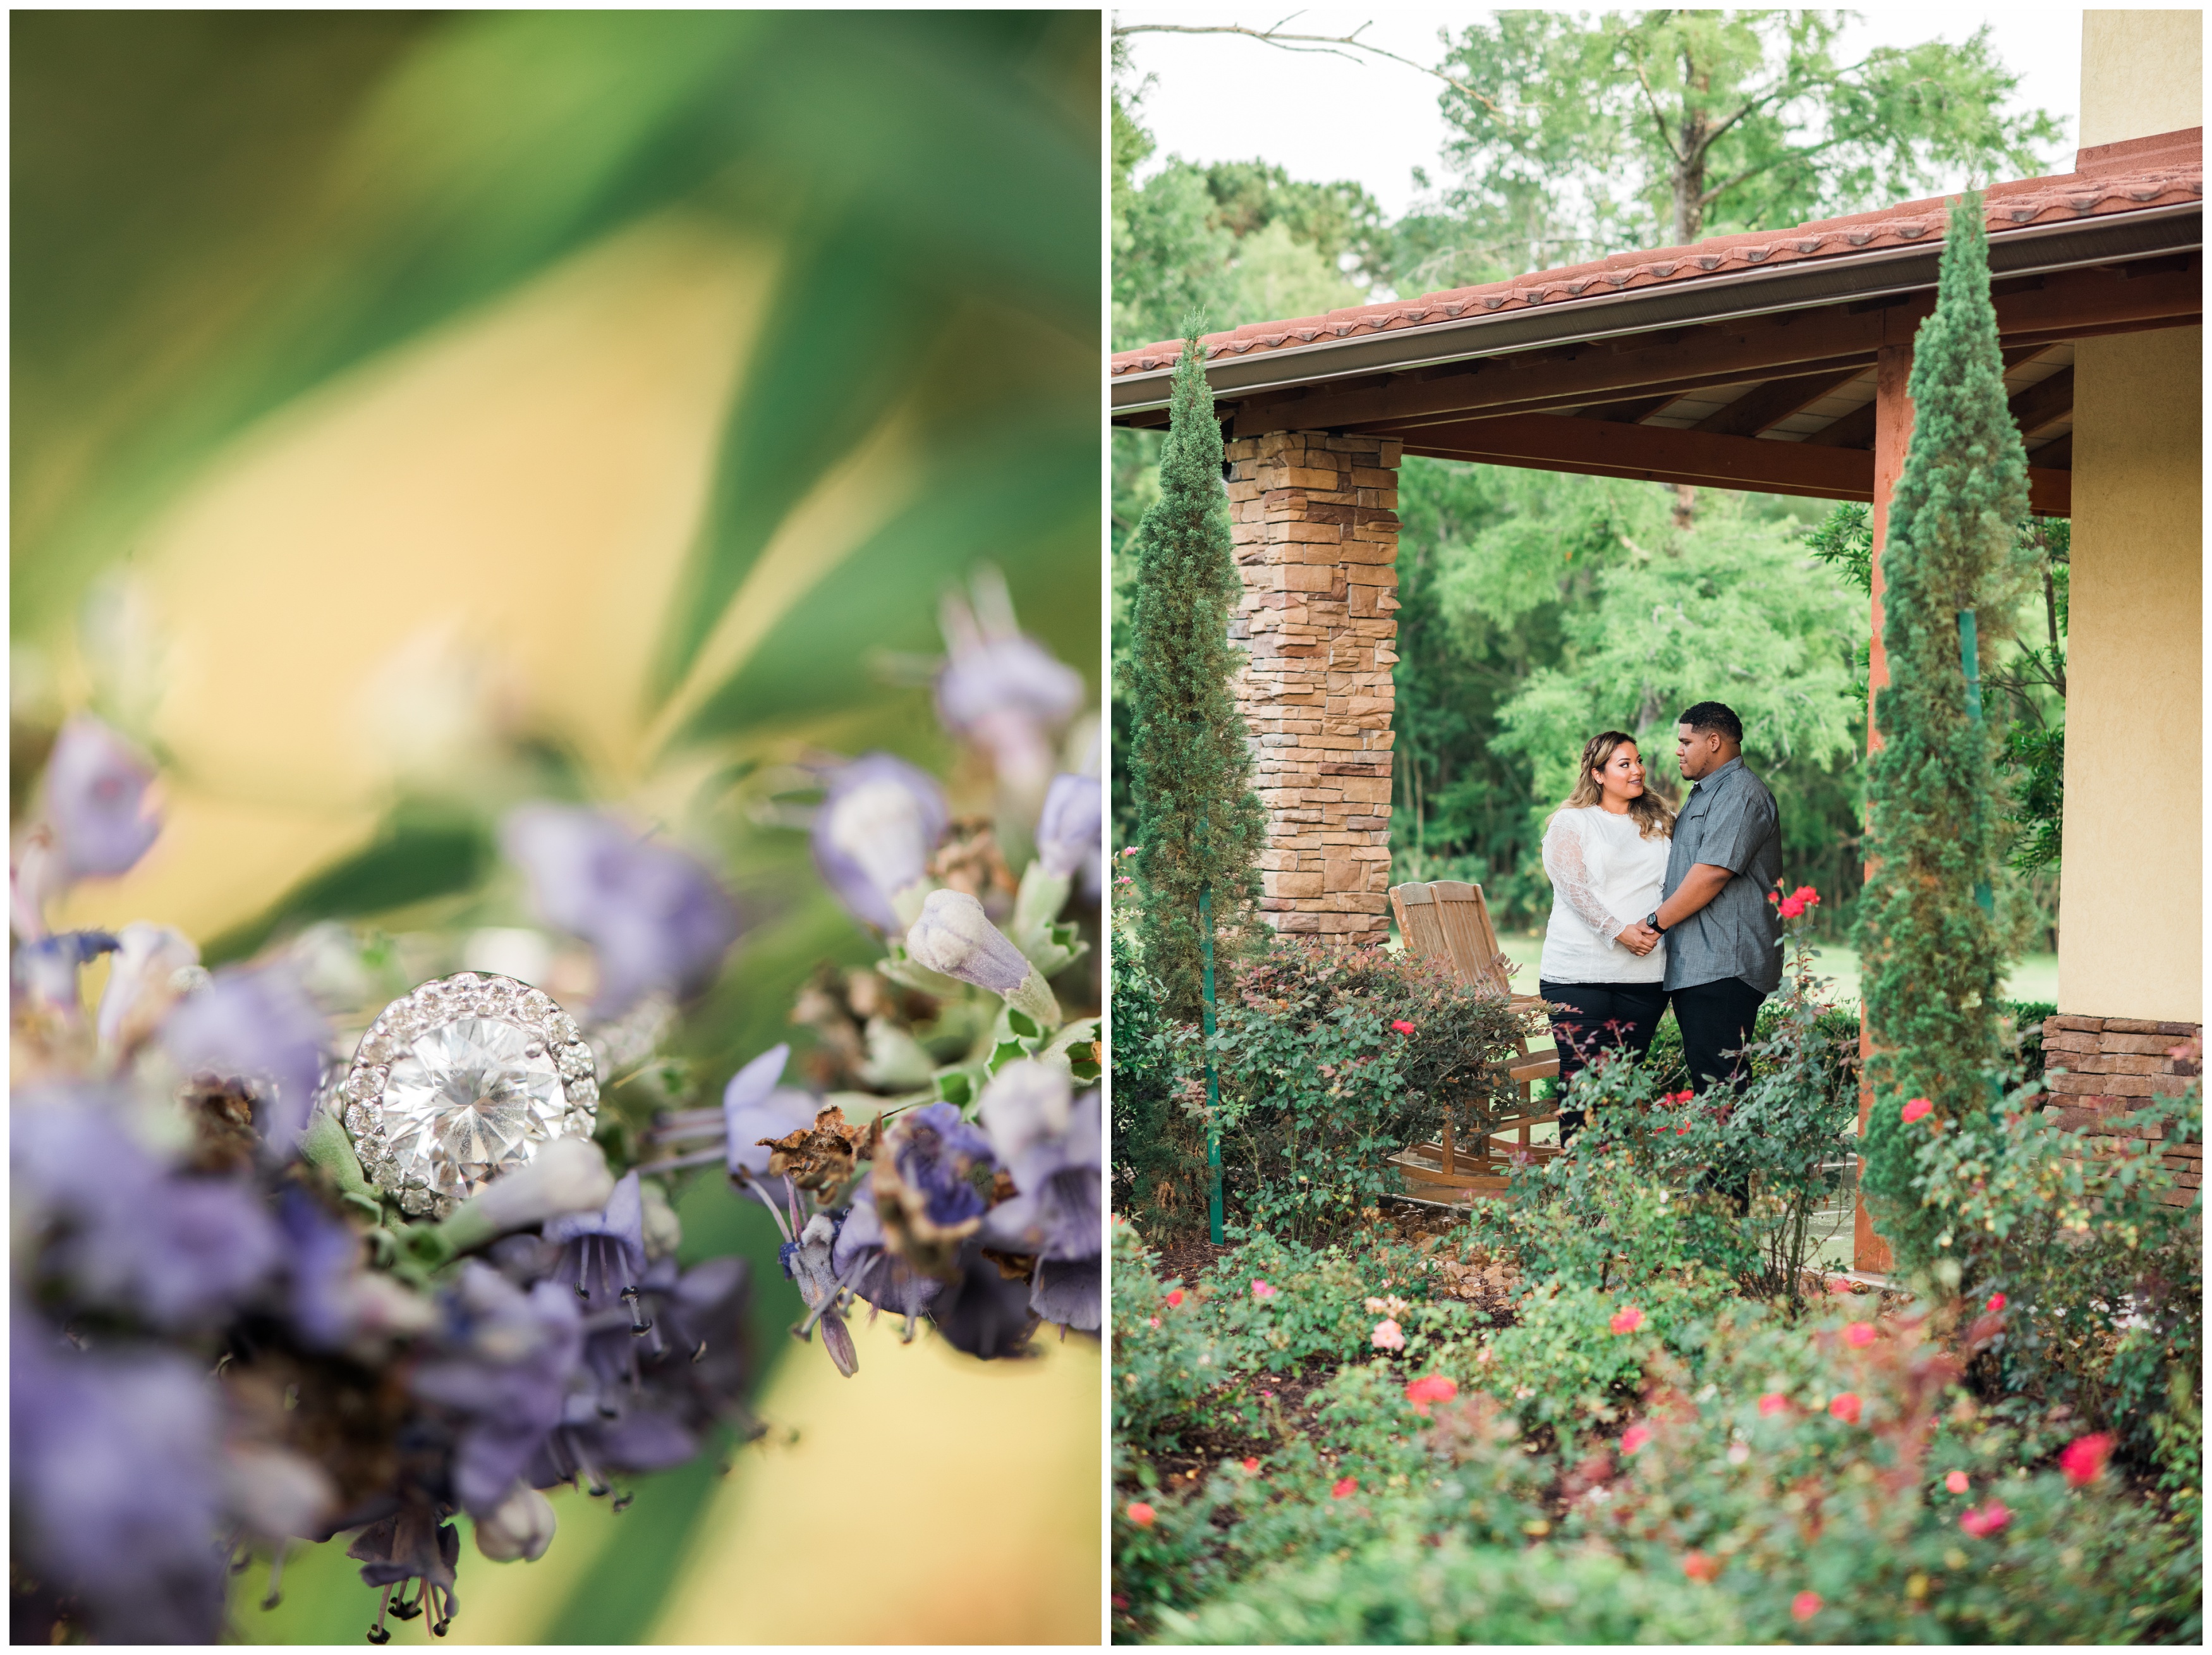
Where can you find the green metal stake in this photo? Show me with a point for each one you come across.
(1212, 1080)
(1970, 662)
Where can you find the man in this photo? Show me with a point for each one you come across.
(1724, 937)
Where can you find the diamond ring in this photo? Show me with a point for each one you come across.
(462, 1080)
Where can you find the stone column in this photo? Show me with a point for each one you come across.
(1317, 536)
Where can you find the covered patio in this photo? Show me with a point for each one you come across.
(1776, 362)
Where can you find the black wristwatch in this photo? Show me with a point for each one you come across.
(1652, 919)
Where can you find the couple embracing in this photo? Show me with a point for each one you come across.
(1650, 906)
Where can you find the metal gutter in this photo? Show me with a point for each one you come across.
(2037, 250)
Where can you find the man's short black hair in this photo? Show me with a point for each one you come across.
(1712, 718)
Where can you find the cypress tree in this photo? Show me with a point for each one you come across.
(1199, 827)
(1929, 950)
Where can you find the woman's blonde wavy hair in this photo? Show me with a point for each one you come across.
(1653, 819)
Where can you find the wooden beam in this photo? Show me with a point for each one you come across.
(1659, 454)
(1856, 429)
(1766, 406)
(2054, 456)
(1634, 411)
(2074, 304)
(2043, 404)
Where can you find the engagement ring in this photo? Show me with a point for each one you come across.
(461, 1080)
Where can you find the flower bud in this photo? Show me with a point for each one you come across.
(1069, 825)
(955, 938)
(568, 1175)
(522, 1528)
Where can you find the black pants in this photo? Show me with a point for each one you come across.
(1593, 1017)
(1717, 1020)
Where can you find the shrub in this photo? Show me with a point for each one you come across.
(1164, 1360)
(1317, 1302)
(1405, 1591)
(1158, 1162)
(1331, 1062)
(2102, 1276)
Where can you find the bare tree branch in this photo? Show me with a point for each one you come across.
(1332, 45)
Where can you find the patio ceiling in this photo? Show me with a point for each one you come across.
(1745, 362)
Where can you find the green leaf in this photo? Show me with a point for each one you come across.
(421, 851)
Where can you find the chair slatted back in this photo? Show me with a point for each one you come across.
(1448, 922)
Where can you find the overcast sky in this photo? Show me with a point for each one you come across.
(1323, 118)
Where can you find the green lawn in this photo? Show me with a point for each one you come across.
(2033, 976)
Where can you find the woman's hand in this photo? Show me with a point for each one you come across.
(1639, 938)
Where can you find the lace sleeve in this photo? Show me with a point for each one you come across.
(1570, 877)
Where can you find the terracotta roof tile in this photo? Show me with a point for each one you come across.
(2109, 178)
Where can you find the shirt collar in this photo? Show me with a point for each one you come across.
(1736, 763)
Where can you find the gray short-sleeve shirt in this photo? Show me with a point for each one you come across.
(1729, 821)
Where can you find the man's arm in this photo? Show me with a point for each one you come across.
(1699, 886)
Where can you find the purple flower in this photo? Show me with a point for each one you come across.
(956, 938)
(121, 1231)
(1069, 828)
(603, 1253)
(754, 1107)
(117, 1485)
(95, 801)
(863, 1262)
(43, 973)
(254, 1024)
(873, 833)
(646, 1397)
(322, 1257)
(141, 983)
(806, 1261)
(411, 1544)
(984, 1311)
(923, 1184)
(655, 916)
(1002, 690)
(1053, 1149)
(504, 1377)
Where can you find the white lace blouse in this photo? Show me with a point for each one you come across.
(1605, 876)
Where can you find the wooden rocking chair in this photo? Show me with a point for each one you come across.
(1448, 923)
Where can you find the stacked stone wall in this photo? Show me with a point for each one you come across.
(1317, 536)
(2111, 1065)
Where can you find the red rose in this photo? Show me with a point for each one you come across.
(1917, 1107)
(1141, 1514)
(1175, 1296)
(1859, 1335)
(1345, 1489)
(2083, 1459)
(1956, 1482)
(1771, 1404)
(1401, 1025)
(1996, 1303)
(1698, 1567)
(1845, 1407)
(1805, 1605)
(1435, 1388)
(1627, 1321)
(1634, 1438)
(1252, 1465)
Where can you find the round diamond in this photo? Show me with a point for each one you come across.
(562, 1029)
(377, 1046)
(584, 1090)
(576, 1062)
(467, 1102)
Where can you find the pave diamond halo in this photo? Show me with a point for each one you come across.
(464, 1079)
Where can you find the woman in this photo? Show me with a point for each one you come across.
(1605, 850)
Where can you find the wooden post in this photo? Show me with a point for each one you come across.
(1893, 433)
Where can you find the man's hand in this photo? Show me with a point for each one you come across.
(1639, 938)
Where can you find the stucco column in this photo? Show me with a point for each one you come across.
(1893, 436)
(1317, 536)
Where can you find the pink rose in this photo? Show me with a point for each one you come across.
(1805, 1605)
(1771, 1404)
(1388, 1336)
(1988, 1520)
(1917, 1107)
(1634, 1438)
(1141, 1514)
(1845, 1407)
(1627, 1321)
(1956, 1482)
(1261, 1291)
(1436, 1388)
(1859, 1335)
